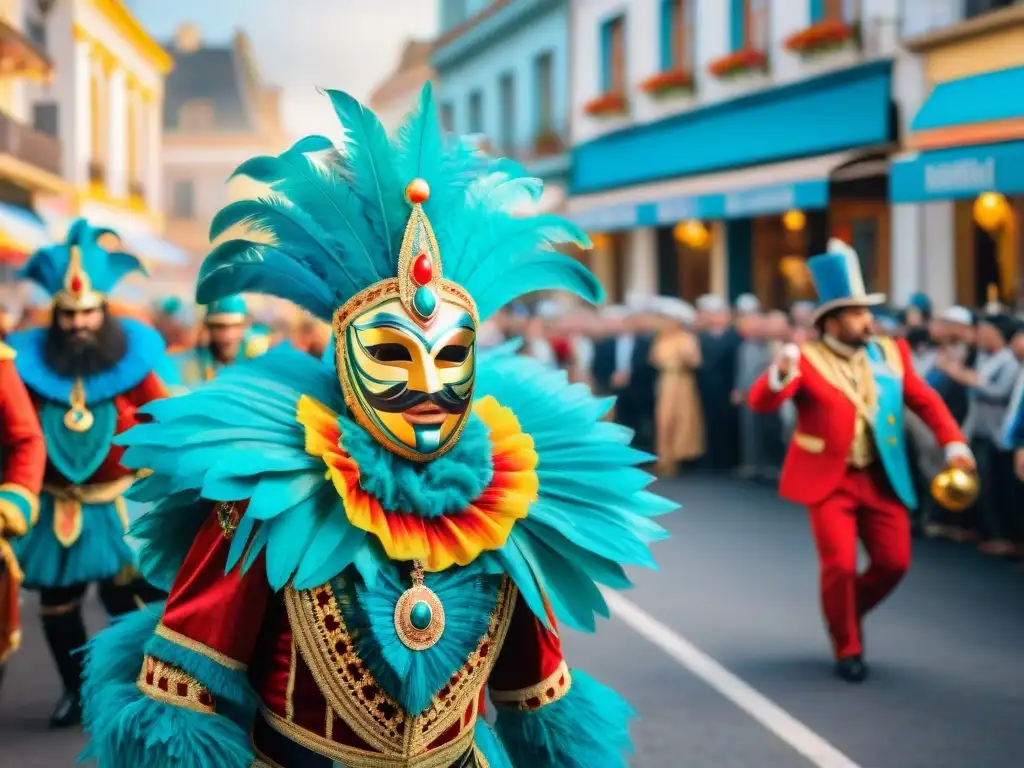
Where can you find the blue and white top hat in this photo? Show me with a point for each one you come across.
(839, 281)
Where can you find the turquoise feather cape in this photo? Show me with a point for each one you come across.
(237, 438)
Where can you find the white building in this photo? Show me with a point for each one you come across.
(395, 96)
(732, 114)
(106, 103)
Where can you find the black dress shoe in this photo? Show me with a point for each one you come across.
(68, 712)
(852, 669)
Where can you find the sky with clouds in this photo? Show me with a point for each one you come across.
(302, 45)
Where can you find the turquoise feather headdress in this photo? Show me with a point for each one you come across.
(334, 220)
(79, 273)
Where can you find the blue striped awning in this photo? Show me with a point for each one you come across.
(152, 249)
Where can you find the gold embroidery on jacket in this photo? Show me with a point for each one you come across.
(374, 716)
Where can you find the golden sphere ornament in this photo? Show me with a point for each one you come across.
(794, 221)
(991, 211)
(955, 489)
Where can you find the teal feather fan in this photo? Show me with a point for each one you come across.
(237, 437)
(332, 219)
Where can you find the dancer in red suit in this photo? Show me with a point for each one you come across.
(847, 461)
(23, 452)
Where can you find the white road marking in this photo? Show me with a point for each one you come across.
(779, 722)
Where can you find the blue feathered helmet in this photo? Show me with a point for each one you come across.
(79, 273)
(404, 245)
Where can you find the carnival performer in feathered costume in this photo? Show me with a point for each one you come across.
(88, 373)
(228, 337)
(358, 549)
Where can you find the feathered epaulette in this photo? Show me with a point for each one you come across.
(558, 502)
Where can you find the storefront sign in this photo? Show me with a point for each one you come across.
(742, 205)
(968, 175)
(608, 218)
(958, 172)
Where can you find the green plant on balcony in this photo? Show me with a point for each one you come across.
(670, 82)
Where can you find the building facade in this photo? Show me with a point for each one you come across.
(396, 95)
(717, 144)
(30, 158)
(958, 191)
(105, 105)
(217, 113)
(502, 75)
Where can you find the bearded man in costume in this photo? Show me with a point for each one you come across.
(366, 545)
(847, 461)
(227, 338)
(88, 373)
(23, 453)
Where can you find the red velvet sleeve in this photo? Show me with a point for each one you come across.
(762, 399)
(530, 672)
(150, 388)
(926, 402)
(214, 613)
(21, 438)
(23, 452)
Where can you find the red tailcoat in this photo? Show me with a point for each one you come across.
(240, 623)
(23, 452)
(816, 462)
(844, 503)
(22, 447)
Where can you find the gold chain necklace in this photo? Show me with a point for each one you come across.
(78, 418)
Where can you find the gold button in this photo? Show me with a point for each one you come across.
(892, 441)
(892, 419)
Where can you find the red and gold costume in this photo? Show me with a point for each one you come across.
(357, 550)
(847, 461)
(24, 459)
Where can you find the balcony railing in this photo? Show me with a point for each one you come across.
(137, 191)
(25, 143)
(97, 173)
(921, 19)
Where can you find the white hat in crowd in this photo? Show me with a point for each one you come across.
(674, 309)
(748, 304)
(712, 302)
(959, 315)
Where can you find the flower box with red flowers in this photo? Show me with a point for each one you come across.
(668, 82)
(824, 36)
(607, 104)
(739, 63)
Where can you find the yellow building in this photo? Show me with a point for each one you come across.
(30, 157)
(218, 113)
(106, 99)
(966, 170)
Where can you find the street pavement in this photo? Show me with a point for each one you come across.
(723, 655)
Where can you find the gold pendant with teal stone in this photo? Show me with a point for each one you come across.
(419, 615)
(78, 418)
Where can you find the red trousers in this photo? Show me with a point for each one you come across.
(861, 507)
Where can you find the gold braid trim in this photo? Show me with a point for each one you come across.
(162, 682)
(547, 691)
(31, 500)
(196, 647)
(351, 757)
(59, 610)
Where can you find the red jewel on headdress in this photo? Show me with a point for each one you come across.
(422, 269)
(76, 284)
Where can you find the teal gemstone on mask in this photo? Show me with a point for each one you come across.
(421, 615)
(424, 302)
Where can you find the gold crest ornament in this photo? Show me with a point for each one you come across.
(406, 348)
(77, 294)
